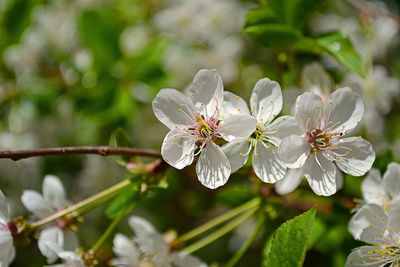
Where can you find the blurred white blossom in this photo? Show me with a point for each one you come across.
(53, 200)
(7, 251)
(148, 248)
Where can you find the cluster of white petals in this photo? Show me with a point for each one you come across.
(7, 251)
(148, 248)
(377, 221)
(322, 140)
(56, 235)
(308, 143)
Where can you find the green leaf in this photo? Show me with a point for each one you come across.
(274, 34)
(261, 15)
(100, 36)
(341, 48)
(15, 20)
(294, 12)
(290, 240)
(127, 200)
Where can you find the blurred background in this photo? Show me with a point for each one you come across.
(74, 71)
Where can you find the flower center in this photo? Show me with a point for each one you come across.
(204, 129)
(319, 139)
(258, 133)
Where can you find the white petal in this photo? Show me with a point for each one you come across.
(364, 217)
(282, 127)
(339, 179)
(391, 180)
(182, 259)
(173, 108)
(294, 151)
(6, 248)
(373, 190)
(147, 237)
(53, 236)
(344, 106)
(320, 174)
(72, 258)
(234, 105)
(237, 127)
(178, 150)
(124, 248)
(308, 110)
(141, 227)
(4, 209)
(207, 90)
(53, 192)
(365, 256)
(236, 152)
(35, 203)
(290, 182)
(394, 219)
(360, 158)
(213, 168)
(267, 164)
(266, 100)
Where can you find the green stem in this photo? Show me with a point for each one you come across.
(87, 204)
(108, 232)
(220, 232)
(248, 242)
(218, 220)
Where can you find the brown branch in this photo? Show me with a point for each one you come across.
(99, 150)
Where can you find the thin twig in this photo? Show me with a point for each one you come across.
(99, 150)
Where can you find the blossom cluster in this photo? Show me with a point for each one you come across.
(377, 220)
(58, 240)
(220, 127)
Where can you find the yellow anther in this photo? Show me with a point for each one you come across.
(180, 109)
(283, 118)
(241, 154)
(262, 108)
(169, 118)
(256, 155)
(277, 136)
(277, 129)
(254, 101)
(238, 109)
(237, 97)
(238, 143)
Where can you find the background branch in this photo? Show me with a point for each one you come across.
(98, 150)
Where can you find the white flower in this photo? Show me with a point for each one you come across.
(382, 192)
(382, 232)
(7, 251)
(149, 247)
(265, 104)
(195, 124)
(52, 200)
(322, 142)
